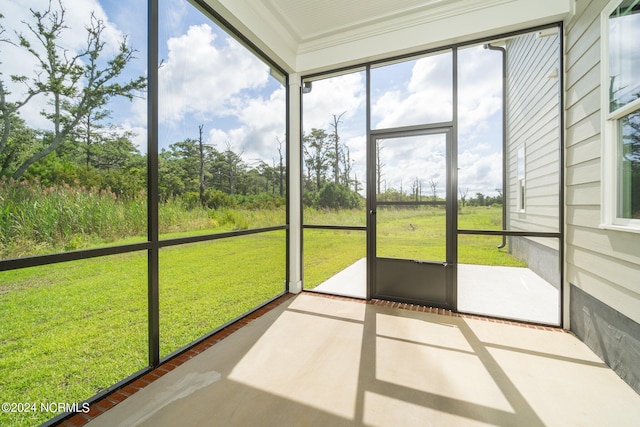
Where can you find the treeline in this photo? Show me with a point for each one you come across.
(480, 199)
(190, 171)
(201, 174)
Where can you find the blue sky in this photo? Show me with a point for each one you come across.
(414, 92)
(207, 78)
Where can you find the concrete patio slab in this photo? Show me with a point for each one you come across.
(508, 292)
(317, 361)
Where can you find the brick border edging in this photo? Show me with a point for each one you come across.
(120, 394)
(115, 397)
(441, 311)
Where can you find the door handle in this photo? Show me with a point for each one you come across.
(372, 212)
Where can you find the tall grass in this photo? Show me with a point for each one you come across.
(38, 219)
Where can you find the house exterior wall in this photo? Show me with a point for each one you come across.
(602, 266)
(533, 144)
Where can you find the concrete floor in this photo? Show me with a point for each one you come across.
(507, 292)
(350, 282)
(316, 361)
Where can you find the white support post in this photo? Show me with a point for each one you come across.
(295, 179)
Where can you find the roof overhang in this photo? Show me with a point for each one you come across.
(309, 36)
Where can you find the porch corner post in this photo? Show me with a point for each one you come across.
(295, 188)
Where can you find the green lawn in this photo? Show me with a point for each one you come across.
(414, 233)
(327, 252)
(73, 329)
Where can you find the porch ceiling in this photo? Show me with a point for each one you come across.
(314, 35)
(309, 20)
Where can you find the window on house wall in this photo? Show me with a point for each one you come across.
(621, 30)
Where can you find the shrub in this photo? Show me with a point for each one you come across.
(216, 199)
(259, 201)
(337, 196)
(309, 198)
(190, 199)
(234, 218)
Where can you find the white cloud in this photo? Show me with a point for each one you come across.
(200, 77)
(264, 124)
(261, 125)
(334, 95)
(411, 158)
(480, 89)
(173, 17)
(139, 138)
(425, 98)
(479, 173)
(217, 138)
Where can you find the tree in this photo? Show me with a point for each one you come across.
(416, 189)
(434, 188)
(356, 184)
(348, 166)
(234, 166)
(76, 84)
(89, 131)
(379, 165)
(179, 168)
(18, 144)
(9, 113)
(115, 152)
(201, 155)
(316, 156)
(336, 154)
(498, 198)
(463, 195)
(280, 168)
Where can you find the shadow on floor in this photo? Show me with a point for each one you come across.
(317, 361)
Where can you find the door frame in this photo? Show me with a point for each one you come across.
(451, 261)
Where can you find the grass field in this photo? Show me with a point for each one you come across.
(73, 329)
(401, 233)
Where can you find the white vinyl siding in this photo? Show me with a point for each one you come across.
(533, 124)
(604, 263)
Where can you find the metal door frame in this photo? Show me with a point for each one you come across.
(450, 263)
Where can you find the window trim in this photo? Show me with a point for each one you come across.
(610, 136)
